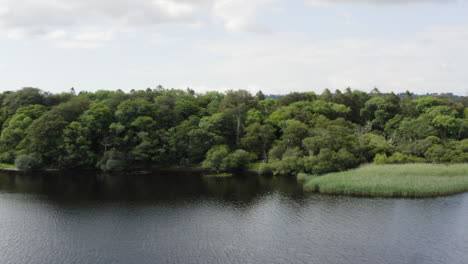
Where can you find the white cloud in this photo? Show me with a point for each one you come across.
(29, 18)
(58, 19)
(95, 35)
(87, 38)
(377, 2)
(240, 15)
(283, 62)
(175, 9)
(80, 44)
(56, 34)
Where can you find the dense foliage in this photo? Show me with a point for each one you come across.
(298, 132)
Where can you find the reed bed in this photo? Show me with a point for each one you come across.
(6, 165)
(404, 180)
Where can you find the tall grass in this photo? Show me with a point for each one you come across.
(405, 180)
(6, 165)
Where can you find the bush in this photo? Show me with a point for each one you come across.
(7, 157)
(380, 158)
(265, 169)
(215, 156)
(238, 160)
(329, 161)
(397, 158)
(28, 162)
(287, 166)
(218, 158)
(439, 154)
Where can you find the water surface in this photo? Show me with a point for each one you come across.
(167, 217)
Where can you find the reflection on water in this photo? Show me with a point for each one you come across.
(167, 217)
(141, 186)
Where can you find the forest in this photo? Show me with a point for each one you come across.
(297, 132)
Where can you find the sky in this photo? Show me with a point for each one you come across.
(277, 46)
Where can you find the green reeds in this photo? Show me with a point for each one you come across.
(405, 180)
(6, 165)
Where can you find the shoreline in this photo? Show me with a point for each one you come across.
(379, 195)
(187, 169)
(387, 181)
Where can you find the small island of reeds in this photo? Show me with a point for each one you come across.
(405, 180)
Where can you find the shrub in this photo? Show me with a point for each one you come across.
(215, 156)
(287, 166)
(28, 162)
(265, 169)
(218, 158)
(439, 154)
(238, 160)
(397, 158)
(7, 157)
(380, 158)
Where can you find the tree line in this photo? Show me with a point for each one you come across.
(298, 132)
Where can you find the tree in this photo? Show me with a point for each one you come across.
(87, 138)
(313, 145)
(445, 124)
(374, 144)
(77, 146)
(185, 108)
(15, 128)
(28, 162)
(326, 96)
(260, 96)
(238, 103)
(45, 134)
(294, 132)
(146, 144)
(408, 108)
(237, 160)
(24, 97)
(189, 142)
(215, 156)
(296, 97)
(258, 139)
(426, 102)
(411, 129)
(378, 111)
(129, 110)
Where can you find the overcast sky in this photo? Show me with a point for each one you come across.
(276, 46)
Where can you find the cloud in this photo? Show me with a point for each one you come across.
(430, 60)
(31, 18)
(377, 2)
(240, 15)
(57, 19)
(87, 38)
(35, 17)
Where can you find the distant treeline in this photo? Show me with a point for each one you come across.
(298, 132)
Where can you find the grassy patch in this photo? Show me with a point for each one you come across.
(218, 175)
(305, 177)
(6, 165)
(406, 180)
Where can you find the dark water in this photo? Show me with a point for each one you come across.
(87, 217)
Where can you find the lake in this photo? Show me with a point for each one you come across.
(184, 217)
